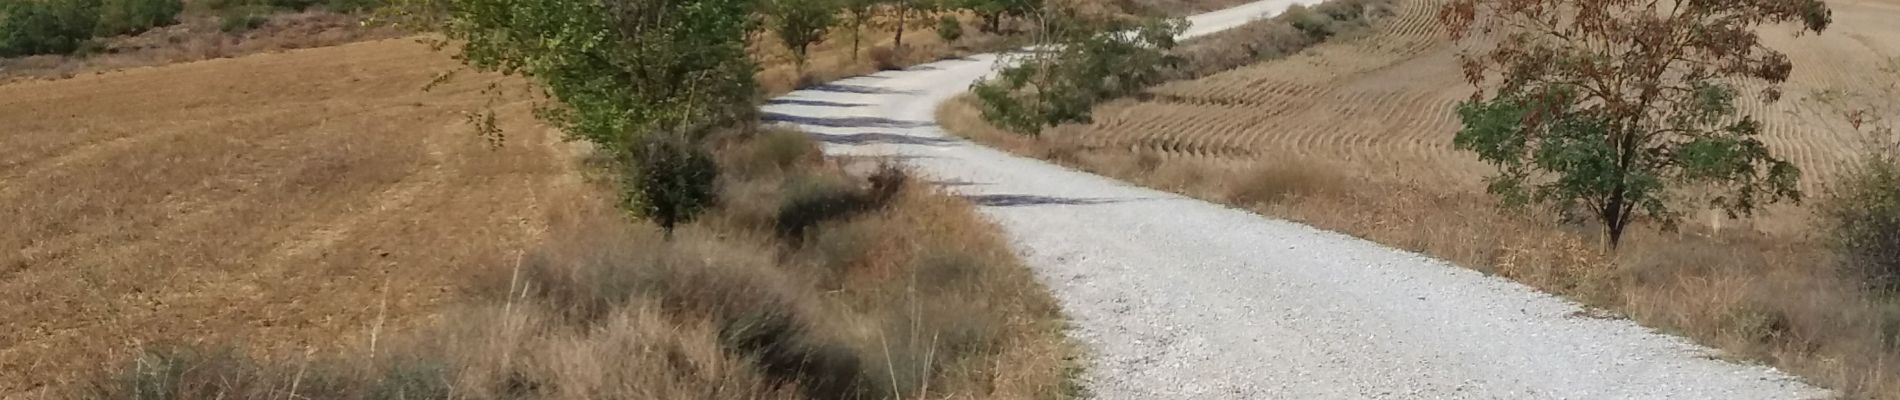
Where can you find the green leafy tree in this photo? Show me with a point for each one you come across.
(32, 27)
(1614, 105)
(1084, 63)
(800, 24)
(621, 70)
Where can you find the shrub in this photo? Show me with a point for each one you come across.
(1864, 214)
(886, 58)
(949, 28)
(673, 179)
(771, 153)
(242, 19)
(811, 200)
(1091, 64)
(130, 17)
(33, 27)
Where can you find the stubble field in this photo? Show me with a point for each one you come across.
(290, 201)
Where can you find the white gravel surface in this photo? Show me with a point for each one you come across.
(1182, 299)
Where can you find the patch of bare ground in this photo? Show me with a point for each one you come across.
(1354, 136)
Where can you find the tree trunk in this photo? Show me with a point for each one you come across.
(1615, 218)
(903, 12)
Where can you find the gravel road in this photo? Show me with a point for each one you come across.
(1182, 299)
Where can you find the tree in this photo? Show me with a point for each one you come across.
(620, 70)
(801, 23)
(1616, 106)
(994, 11)
(1084, 63)
(857, 14)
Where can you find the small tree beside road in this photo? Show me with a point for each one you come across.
(1614, 106)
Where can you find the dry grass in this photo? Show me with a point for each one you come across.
(1353, 136)
(915, 297)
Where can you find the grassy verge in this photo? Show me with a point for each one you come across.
(808, 283)
(1760, 297)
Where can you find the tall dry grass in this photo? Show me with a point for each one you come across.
(907, 294)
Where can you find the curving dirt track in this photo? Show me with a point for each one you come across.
(292, 200)
(1179, 298)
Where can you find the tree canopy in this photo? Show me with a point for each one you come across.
(1613, 106)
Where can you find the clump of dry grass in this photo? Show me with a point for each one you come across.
(910, 296)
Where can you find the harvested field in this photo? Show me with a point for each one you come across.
(1383, 101)
(284, 201)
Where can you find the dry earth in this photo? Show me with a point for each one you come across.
(287, 201)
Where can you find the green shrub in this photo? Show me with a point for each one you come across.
(1864, 215)
(949, 28)
(673, 179)
(131, 17)
(33, 27)
(242, 19)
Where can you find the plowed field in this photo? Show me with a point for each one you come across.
(289, 201)
(1384, 100)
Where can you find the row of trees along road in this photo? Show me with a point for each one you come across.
(802, 23)
(647, 81)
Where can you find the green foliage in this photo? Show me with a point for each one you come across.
(993, 12)
(1863, 212)
(242, 19)
(674, 179)
(32, 27)
(621, 70)
(1086, 63)
(1618, 109)
(130, 17)
(801, 23)
(949, 28)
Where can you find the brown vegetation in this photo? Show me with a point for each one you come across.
(1354, 136)
(908, 294)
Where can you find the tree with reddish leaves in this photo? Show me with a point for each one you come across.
(1617, 106)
